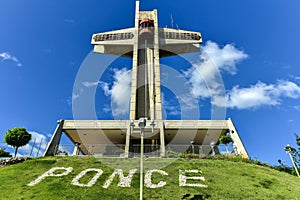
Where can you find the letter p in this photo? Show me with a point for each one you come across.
(51, 173)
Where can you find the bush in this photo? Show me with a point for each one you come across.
(294, 172)
(4, 153)
(284, 168)
(189, 156)
(171, 154)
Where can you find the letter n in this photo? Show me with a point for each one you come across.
(75, 181)
(124, 181)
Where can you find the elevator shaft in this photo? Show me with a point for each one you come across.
(145, 73)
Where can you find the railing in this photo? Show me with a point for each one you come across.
(118, 150)
(177, 150)
(113, 36)
(105, 150)
(149, 150)
(180, 35)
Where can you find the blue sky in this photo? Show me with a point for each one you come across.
(254, 44)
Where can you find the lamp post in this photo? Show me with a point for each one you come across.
(142, 124)
(288, 150)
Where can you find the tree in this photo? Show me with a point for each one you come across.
(225, 139)
(17, 137)
(296, 151)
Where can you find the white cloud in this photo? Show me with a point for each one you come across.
(206, 81)
(225, 58)
(38, 136)
(37, 139)
(262, 94)
(7, 56)
(188, 102)
(106, 108)
(288, 89)
(75, 96)
(170, 107)
(119, 92)
(297, 78)
(297, 108)
(105, 88)
(252, 97)
(90, 84)
(205, 77)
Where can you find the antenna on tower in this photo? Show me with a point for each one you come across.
(172, 21)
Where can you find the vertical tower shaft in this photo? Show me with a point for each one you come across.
(145, 91)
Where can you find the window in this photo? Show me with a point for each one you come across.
(145, 23)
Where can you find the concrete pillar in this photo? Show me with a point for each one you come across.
(162, 139)
(156, 72)
(127, 143)
(237, 142)
(55, 140)
(135, 63)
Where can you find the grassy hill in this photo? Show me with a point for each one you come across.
(224, 180)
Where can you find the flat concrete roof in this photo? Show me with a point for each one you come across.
(177, 132)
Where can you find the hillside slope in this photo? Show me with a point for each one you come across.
(214, 179)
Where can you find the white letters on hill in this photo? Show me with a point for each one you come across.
(51, 173)
(75, 181)
(125, 181)
(183, 178)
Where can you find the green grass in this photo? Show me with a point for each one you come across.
(225, 180)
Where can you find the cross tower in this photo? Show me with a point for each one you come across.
(145, 43)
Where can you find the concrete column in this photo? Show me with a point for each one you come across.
(162, 139)
(55, 140)
(237, 142)
(156, 67)
(127, 143)
(135, 63)
(151, 82)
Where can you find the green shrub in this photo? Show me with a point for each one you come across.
(4, 153)
(171, 154)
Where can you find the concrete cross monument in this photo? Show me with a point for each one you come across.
(145, 43)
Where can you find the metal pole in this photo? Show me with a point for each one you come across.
(142, 164)
(294, 164)
(32, 147)
(288, 150)
(37, 154)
